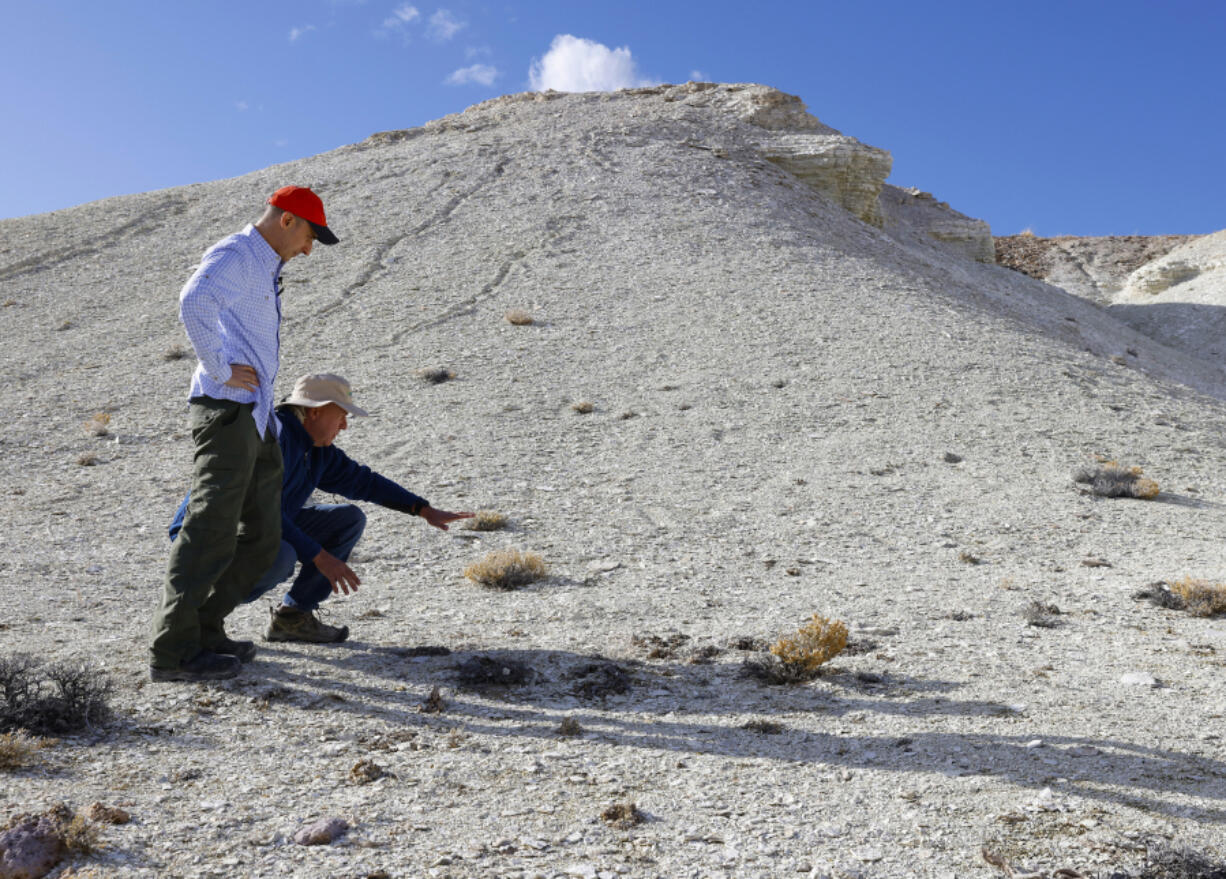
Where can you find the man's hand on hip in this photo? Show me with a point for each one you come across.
(243, 376)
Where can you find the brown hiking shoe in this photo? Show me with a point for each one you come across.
(292, 624)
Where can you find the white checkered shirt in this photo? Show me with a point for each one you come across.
(231, 310)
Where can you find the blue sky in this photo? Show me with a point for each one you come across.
(1074, 117)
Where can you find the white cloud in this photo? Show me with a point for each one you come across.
(698, 76)
(574, 64)
(396, 22)
(444, 26)
(241, 106)
(296, 32)
(480, 73)
(477, 52)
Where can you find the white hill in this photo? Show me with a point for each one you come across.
(813, 392)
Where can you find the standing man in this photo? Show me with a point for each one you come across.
(231, 309)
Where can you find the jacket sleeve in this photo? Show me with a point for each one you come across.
(346, 477)
(303, 545)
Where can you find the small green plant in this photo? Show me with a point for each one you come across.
(1200, 597)
(507, 569)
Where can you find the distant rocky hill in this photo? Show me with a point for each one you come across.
(1172, 288)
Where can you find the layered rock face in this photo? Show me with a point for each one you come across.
(921, 212)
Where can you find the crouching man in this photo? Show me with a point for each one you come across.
(321, 536)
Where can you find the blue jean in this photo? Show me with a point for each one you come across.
(337, 528)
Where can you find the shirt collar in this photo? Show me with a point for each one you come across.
(268, 258)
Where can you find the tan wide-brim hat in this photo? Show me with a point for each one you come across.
(322, 388)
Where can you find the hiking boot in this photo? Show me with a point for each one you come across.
(243, 651)
(292, 624)
(204, 666)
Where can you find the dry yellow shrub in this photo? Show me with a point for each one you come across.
(487, 520)
(506, 569)
(812, 645)
(17, 749)
(518, 317)
(1204, 599)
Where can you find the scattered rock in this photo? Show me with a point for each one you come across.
(1139, 679)
(104, 814)
(434, 703)
(479, 671)
(30, 847)
(325, 831)
(599, 680)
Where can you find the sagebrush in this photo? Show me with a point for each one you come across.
(507, 569)
(1112, 479)
(50, 698)
(487, 520)
(18, 750)
(1200, 597)
(799, 657)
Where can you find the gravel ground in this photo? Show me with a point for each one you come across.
(793, 413)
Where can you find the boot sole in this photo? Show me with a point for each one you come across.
(165, 675)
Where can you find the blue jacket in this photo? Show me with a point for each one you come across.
(308, 467)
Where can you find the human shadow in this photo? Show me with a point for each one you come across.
(685, 708)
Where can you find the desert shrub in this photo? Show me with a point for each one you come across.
(569, 727)
(1044, 616)
(435, 375)
(1200, 597)
(583, 407)
(87, 459)
(1112, 479)
(798, 657)
(174, 352)
(98, 424)
(1160, 595)
(487, 520)
(51, 698)
(519, 317)
(623, 816)
(18, 750)
(506, 569)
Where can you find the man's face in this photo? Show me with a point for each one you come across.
(299, 237)
(323, 423)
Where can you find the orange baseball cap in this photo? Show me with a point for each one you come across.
(301, 202)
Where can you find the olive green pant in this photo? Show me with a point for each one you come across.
(230, 535)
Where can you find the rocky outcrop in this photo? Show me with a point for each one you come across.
(1192, 272)
(921, 213)
(849, 172)
(1094, 268)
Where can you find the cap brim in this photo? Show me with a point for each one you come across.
(323, 234)
(316, 404)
